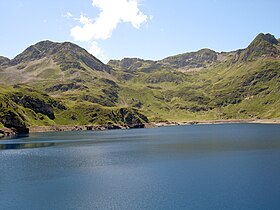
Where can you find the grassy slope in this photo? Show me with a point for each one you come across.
(225, 89)
(247, 90)
(27, 116)
(18, 104)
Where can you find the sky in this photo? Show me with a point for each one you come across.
(148, 29)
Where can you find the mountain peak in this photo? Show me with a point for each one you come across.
(44, 44)
(66, 55)
(45, 49)
(265, 38)
(262, 46)
(34, 52)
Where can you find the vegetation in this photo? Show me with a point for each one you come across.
(61, 84)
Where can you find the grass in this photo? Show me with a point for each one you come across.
(250, 90)
(247, 90)
(228, 88)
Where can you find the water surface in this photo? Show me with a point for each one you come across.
(232, 166)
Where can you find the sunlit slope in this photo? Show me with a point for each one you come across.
(72, 87)
(239, 84)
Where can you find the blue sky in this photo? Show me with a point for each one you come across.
(149, 29)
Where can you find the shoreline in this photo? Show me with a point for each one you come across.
(210, 122)
(4, 132)
(61, 128)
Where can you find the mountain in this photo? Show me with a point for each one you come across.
(64, 72)
(62, 84)
(4, 61)
(61, 69)
(48, 60)
(206, 84)
(264, 45)
(67, 55)
(200, 59)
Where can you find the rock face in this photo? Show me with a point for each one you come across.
(36, 104)
(12, 120)
(132, 118)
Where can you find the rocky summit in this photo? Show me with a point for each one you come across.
(53, 84)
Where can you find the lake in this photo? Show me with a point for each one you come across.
(228, 166)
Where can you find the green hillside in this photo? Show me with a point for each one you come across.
(62, 84)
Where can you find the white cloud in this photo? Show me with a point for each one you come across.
(112, 13)
(68, 15)
(97, 52)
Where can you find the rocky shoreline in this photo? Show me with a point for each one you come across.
(4, 132)
(7, 132)
(209, 122)
(40, 129)
(36, 129)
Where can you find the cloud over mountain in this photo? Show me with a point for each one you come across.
(112, 13)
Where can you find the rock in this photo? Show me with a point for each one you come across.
(66, 87)
(132, 118)
(139, 125)
(15, 122)
(36, 104)
(150, 125)
(6, 132)
(112, 127)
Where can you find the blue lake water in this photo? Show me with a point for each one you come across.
(231, 166)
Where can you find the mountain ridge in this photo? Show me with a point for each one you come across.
(47, 48)
(262, 45)
(201, 85)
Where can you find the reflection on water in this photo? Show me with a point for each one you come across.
(24, 145)
(185, 167)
